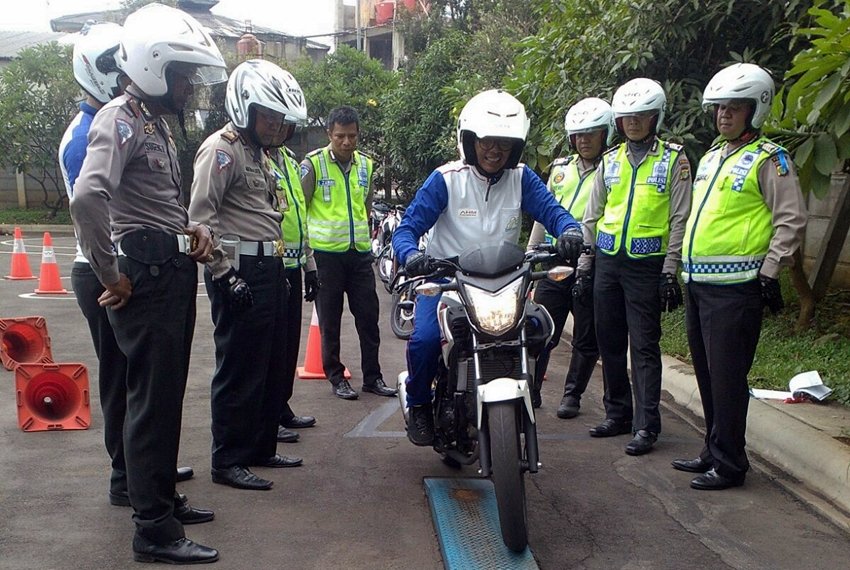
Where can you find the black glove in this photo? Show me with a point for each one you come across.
(771, 293)
(311, 285)
(670, 291)
(570, 245)
(583, 287)
(236, 290)
(418, 263)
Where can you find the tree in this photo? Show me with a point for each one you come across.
(38, 97)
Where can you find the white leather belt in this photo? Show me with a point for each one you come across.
(183, 244)
(253, 248)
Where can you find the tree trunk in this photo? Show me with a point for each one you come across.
(804, 292)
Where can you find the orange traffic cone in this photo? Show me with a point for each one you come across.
(313, 369)
(52, 397)
(20, 261)
(48, 278)
(24, 339)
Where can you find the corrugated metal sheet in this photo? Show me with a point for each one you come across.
(11, 42)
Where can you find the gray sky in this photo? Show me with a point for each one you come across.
(295, 17)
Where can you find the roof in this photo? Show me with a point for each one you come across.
(11, 42)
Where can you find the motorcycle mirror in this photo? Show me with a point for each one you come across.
(559, 273)
(429, 289)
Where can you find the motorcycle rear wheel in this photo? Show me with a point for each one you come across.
(401, 316)
(507, 476)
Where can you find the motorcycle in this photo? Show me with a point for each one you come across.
(492, 334)
(377, 215)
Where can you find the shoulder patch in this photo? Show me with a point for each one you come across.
(780, 162)
(770, 148)
(305, 170)
(230, 136)
(125, 131)
(674, 146)
(223, 159)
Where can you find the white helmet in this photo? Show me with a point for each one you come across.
(494, 113)
(587, 115)
(95, 65)
(156, 36)
(262, 83)
(742, 81)
(639, 95)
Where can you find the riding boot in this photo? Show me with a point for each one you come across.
(539, 373)
(581, 367)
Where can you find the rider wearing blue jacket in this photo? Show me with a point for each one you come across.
(475, 200)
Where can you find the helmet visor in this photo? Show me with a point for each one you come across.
(200, 74)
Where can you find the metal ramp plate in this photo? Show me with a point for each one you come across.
(467, 522)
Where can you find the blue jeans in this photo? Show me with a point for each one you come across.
(423, 351)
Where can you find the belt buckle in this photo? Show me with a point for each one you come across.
(279, 248)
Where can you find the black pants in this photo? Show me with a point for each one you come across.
(154, 331)
(724, 324)
(249, 379)
(628, 316)
(558, 300)
(293, 339)
(111, 371)
(349, 273)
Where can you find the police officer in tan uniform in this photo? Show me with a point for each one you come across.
(130, 183)
(235, 192)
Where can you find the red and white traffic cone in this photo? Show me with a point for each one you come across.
(48, 278)
(20, 261)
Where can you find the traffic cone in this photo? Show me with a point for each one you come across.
(20, 261)
(52, 397)
(313, 369)
(24, 339)
(48, 278)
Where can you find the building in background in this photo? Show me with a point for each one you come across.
(370, 26)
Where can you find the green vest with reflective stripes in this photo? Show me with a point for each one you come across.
(294, 224)
(730, 227)
(570, 189)
(337, 214)
(637, 213)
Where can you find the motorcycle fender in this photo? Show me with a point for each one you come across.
(502, 390)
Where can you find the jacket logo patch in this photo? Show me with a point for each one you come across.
(223, 159)
(467, 213)
(125, 131)
(513, 223)
(559, 178)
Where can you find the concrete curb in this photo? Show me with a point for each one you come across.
(799, 449)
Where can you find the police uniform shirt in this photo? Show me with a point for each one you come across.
(130, 179)
(234, 192)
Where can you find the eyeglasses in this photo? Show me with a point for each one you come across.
(489, 143)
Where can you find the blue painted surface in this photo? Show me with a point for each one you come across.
(467, 522)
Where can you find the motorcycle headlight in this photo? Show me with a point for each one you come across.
(495, 313)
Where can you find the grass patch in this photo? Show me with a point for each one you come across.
(33, 216)
(781, 353)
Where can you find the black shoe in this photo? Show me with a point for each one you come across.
(568, 408)
(184, 474)
(711, 480)
(279, 461)
(286, 435)
(181, 551)
(380, 388)
(188, 514)
(641, 443)
(610, 428)
(420, 425)
(692, 465)
(299, 422)
(344, 390)
(240, 478)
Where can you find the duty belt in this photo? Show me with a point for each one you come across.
(183, 244)
(263, 248)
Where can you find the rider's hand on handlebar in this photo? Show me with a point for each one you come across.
(418, 263)
(570, 245)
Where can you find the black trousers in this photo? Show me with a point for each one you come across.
(111, 370)
(154, 331)
(249, 379)
(349, 273)
(628, 317)
(558, 300)
(293, 339)
(724, 324)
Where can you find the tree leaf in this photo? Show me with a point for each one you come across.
(826, 156)
(801, 157)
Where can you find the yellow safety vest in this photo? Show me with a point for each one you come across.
(294, 223)
(569, 187)
(730, 227)
(637, 213)
(337, 214)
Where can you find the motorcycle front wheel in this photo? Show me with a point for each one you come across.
(401, 314)
(507, 476)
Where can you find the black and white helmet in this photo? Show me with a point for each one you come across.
(94, 60)
(264, 84)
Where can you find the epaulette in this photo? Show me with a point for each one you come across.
(230, 136)
(314, 152)
(364, 155)
(613, 150)
(288, 151)
(563, 161)
(132, 106)
(674, 146)
(770, 147)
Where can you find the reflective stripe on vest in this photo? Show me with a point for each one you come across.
(294, 223)
(729, 229)
(570, 189)
(637, 213)
(337, 215)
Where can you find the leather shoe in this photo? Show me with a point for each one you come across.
(609, 428)
(240, 478)
(568, 408)
(280, 461)
(711, 480)
(691, 465)
(641, 443)
(181, 551)
(184, 474)
(380, 388)
(344, 390)
(299, 422)
(286, 435)
(188, 514)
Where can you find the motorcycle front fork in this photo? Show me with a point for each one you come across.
(532, 455)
